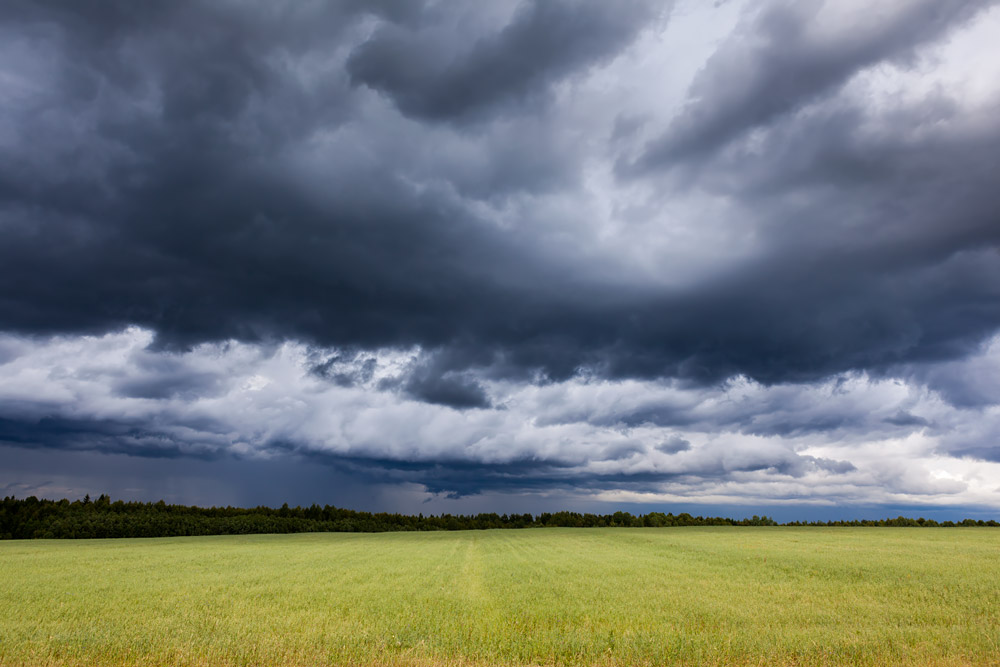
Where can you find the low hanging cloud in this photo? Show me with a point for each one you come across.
(667, 250)
(241, 402)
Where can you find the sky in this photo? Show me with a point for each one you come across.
(733, 258)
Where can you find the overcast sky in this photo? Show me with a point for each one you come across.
(738, 257)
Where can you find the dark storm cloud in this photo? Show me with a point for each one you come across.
(52, 473)
(180, 218)
(346, 370)
(437, 378)
(972, 383)
(782, 60)
(436, 75)
(454, 391)
(463, 478)
(214, 171)
(109, 436)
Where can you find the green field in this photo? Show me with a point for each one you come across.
(539, 596)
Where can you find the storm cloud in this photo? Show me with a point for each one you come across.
(442, 72)
(631, 251)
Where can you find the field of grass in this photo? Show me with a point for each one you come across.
(541, 596)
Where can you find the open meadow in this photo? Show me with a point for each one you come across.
(540, 596)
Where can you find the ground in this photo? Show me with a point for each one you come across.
(730, 595)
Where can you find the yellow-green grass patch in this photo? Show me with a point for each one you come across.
(741, 596)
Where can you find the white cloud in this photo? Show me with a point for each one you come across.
(852, 439)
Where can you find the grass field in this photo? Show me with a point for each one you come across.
(541, 596)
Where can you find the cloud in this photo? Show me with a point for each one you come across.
(749, 251)
(904, 418)
(454, 391)
(447, 69)
(576, 437)
(673, 444)
(268, 198)
(784, 56)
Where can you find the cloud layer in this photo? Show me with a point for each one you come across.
(850, 439)
(655, 251)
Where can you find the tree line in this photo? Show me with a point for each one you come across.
(31, 517)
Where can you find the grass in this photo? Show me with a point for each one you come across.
(741, 596)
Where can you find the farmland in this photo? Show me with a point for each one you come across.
(727, 595)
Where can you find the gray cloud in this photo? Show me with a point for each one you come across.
(785, 56)
(471, 250)
(674, 444)
(576, 437)
(101, 435)
(440, 71)
(904, 418)
(456, 391)
(206, 210)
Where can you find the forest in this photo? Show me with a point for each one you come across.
(31, 517)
